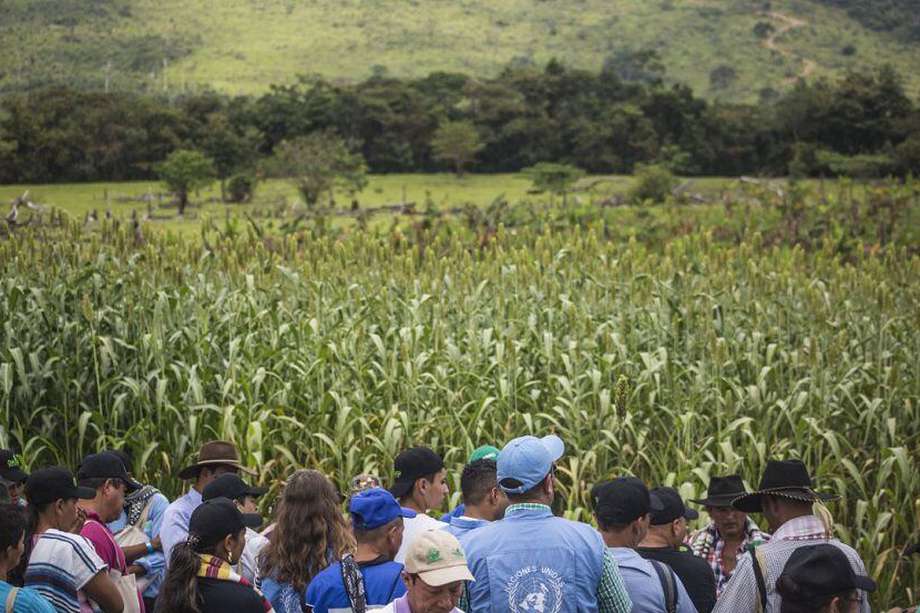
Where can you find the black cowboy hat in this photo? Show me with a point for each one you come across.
(721, 492)
(785, 478)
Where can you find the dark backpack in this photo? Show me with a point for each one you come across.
(668, 585)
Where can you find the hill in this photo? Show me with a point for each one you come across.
(729, 49)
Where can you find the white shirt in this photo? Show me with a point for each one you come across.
(412, 528)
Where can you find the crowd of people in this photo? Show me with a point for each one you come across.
(102, 541)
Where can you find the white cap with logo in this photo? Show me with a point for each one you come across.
(437, 558)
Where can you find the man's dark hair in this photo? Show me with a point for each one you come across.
(12, 526)
(477, 480)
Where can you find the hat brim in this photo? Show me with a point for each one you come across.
(753, 502)
(252, 520)
(690, 514)
(718, 501)
(554, 445)
(84, 493)
(443, 576)
(864, 583)
(190, 472)
(14, 475)
(407, 513)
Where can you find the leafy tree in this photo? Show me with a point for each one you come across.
(185, 171)
(639, 66)
(907, 155)
(722, 76)
(319, 163)
(557, 179)
(456, 142)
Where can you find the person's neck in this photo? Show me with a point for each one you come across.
(368, 552)
(415, 503)
(656, 541)
(621, 538)
(5, 569)
(787, 515)
(90, 506)
(199, 486)
(44, 524)
(475, 512)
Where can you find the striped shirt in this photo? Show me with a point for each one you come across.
(60, 565)
(741, 594)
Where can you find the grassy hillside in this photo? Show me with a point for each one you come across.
(243, 46)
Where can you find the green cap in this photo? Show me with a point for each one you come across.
(486, 452)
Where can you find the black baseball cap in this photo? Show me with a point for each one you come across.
(230, 486)
(622, 500)
(411, 465)
(11, 467)
(672, 506)
(106, 465)
(214, 519)
(816, 573)
(55, 483)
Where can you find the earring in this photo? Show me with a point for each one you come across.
(230, 556)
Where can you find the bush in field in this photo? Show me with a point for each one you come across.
(185, 171)
(240, 187)
(556, 179)
(319, 163)
(654, 182)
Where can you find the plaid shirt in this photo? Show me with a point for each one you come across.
(709, 545)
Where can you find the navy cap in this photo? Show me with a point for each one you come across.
(11, 467)
(213, 520)
(106, 465)
(672, 506)
(55, 483)
(526, 461)
(622, 500)
(816, 573)
(411, 465)
(230, 486)
(375, 507)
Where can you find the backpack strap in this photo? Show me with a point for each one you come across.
(759, 563)
(668, 585)
(11, 599)
(354, 584)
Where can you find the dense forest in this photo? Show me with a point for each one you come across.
(861, 125)
(901, 17)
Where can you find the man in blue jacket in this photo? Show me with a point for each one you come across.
(371, 577)
(531, 560)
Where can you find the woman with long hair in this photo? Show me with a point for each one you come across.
(310, 533)
(200, 577)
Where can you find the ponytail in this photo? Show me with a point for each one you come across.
(179, 592)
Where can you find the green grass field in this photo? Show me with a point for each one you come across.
(243, 46)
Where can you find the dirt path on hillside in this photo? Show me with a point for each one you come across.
(789, 24)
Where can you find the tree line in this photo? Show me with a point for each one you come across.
(863, 124)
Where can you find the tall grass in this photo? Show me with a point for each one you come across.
(672, 364)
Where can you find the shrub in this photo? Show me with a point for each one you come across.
(653, 182)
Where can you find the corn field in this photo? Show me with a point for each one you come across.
(675, 363)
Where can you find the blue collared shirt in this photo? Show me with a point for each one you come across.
(644, 586)
(461, 525)
(175, 521)
(154, 564)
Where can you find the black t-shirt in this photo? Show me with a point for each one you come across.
(219, 596)
(692, 571)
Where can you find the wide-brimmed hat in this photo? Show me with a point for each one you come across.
(721, 492)
(215, 453)
(784, 478)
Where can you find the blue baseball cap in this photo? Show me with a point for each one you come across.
(527, 460)
(375, 507)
